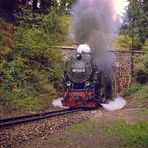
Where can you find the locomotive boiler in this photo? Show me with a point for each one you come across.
(85, 85)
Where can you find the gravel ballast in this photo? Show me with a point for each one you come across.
(12, 137)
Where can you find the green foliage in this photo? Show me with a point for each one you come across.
(84, 126)
(139, 88)
(122, 42)
(118, 133)
(133, 135)
(141, 68)
(145, 47)
(40, 31)
(64, 7)
(25, 74)
(137, 27)
(7, 39)
(137, 91)
(132, 89)
(142, 93)
(32, 71)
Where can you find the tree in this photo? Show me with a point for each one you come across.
(138, 22)
(7, 8)
(65, 6)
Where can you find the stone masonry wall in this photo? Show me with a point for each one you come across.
(122, 74)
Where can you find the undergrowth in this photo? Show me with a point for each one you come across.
(7, 38)
(31, 68)
(137, 91)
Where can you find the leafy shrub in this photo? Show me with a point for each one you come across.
(132, 89)
(122, 42)
(137, 91)
(145, 47)
(141, 69)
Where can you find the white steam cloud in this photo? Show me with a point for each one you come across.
(58, 103)
(83, 48)
(117, 104)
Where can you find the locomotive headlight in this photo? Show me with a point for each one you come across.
(87, 83)
(68, 83)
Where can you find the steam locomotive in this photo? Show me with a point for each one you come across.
(85, 84)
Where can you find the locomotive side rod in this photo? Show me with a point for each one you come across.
(9, 122)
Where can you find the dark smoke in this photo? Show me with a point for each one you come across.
(94, 22)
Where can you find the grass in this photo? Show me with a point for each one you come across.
(29, 103)
(118, 133)
(142, 93)
(84, 126)
(132, 135)
(129, 134)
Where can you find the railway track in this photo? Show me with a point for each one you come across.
(9, 122)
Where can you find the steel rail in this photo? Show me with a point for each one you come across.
(7, 122)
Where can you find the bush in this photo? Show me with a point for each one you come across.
(25, 74)
(122, 42)
(141, 69)
(32, 71)
(137, 91)
(132, 89)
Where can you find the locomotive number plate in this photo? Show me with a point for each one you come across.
(78, 70)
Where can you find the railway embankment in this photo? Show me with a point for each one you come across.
(14, 136)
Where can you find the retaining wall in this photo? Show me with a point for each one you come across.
(123, 70)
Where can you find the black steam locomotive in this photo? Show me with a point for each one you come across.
(85, 84)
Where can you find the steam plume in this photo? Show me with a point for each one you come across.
(58, 103)
(117, 104)
(94, 22)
